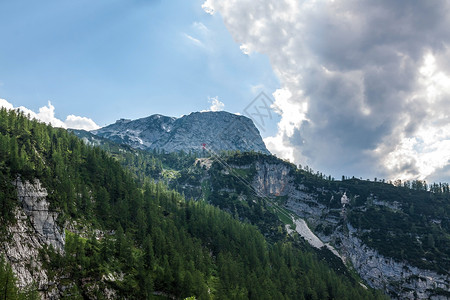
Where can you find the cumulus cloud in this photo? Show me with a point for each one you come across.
(208, 7)
(77, 122)
(245, 49)
(364, 84)
(216, 104)
(46, 114)
(6, 104)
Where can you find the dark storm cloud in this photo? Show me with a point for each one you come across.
(357, 67)
(383, 44)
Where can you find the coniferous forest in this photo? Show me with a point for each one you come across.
(140, 238)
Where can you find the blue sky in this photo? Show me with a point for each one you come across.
(112, 59)
(361, 87)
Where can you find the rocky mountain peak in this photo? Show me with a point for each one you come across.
(219, 130)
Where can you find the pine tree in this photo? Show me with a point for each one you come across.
(8, 289)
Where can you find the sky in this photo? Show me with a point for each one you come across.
(359, 88)
(112, 59)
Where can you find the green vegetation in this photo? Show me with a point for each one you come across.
(8, 288)
(406, 223)
(404, 220)
(151, 241)
(284, 215)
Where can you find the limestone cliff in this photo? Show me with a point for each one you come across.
(395, 277)
(273, 179)
(35, 229)
(383, 272)
(34, 204)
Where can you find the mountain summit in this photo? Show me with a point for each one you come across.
(217, 130)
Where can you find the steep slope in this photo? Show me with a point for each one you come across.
(34, 230)
(98, 234)
(219, 130)
(141, 133)
(396, 238)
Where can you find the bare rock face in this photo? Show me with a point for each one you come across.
(380, 272)
(272, 179)
(35, 228)
(218, 130)
(36, 207)
(383, 272)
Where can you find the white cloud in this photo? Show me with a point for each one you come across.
(276, 145)
(195, 41)
(200, 36)
(216, 105)
(46, 114)
(257, 88)
(208, 7)
(420, 154)
(201, 28)
(6, 104)
(365, 86)
(77, 122)
(245, 49)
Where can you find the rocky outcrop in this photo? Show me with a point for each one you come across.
(218, 130)
(399, 279)
(35, 206)
(35, 228)
(272, 179)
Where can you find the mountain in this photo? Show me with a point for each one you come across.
(397, 238)
(218, 130)
(75, 224)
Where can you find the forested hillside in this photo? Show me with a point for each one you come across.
(138, 239)
(407, 223)
(411, 216)
(400, 226)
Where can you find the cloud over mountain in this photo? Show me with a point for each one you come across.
(365, 86)
(46, 114)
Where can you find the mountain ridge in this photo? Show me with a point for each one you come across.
(219, 130)
(388, 233)
(134, 238)
(395, 232)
